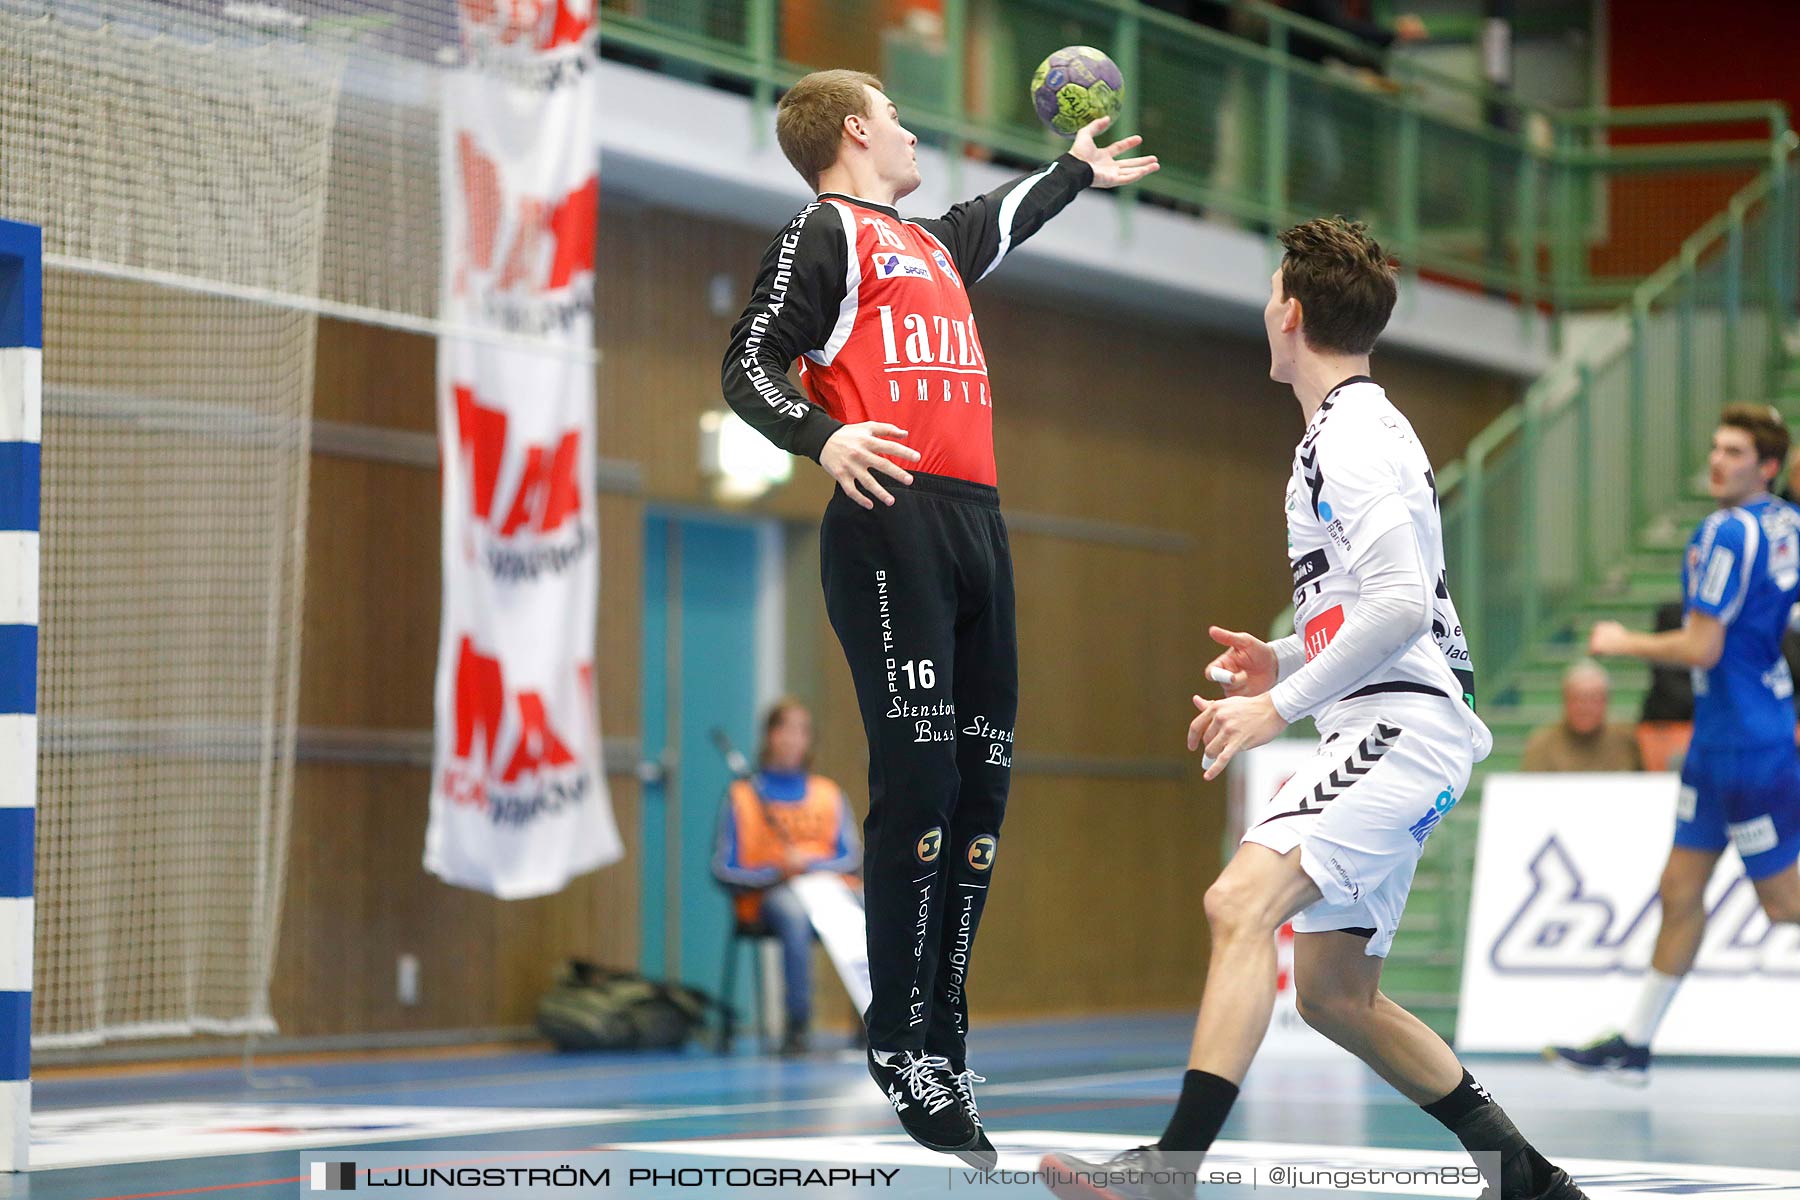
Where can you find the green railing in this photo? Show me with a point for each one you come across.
(1565, 209)
(1549, 503)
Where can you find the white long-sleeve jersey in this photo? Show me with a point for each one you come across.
(1359, 475)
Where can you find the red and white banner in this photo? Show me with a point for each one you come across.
(518, 799)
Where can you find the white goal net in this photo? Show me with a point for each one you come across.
(209, 179)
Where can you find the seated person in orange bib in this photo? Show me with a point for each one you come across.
(782, 822)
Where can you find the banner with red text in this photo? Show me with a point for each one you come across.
(519, 802)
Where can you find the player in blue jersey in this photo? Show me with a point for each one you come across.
(1740, 785)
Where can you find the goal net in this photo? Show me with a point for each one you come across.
(209, 179)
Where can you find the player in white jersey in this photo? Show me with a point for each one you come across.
(1379, 660)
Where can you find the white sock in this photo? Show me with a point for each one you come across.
(1653, 1002)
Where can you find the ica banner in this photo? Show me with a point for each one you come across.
(518, 800)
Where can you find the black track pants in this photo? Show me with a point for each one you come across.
(921, 596)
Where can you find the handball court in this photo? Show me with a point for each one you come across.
(1097, 1086)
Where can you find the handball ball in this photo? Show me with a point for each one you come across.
(1076, 85)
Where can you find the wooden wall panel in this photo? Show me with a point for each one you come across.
(357, 899)
(373, 376)
(368, 655)
(1103, 671)
(356, 895)
(1096, 900)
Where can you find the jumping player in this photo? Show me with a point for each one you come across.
(915, 561)
(1378, 658)
(1740, 783)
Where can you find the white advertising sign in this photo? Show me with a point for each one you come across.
(1564, 916)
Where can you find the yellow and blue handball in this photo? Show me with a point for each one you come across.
(1075, 85)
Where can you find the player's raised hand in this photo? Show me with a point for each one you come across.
(1227, 726)
(1110, 170)
(855, 453)
(1248, 666)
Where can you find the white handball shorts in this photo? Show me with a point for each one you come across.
(1388, 769)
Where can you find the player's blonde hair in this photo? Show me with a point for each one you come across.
(809, 121)
(1344, 282)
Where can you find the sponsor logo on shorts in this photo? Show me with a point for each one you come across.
(1446, 800)
(981, 852)
(889, 265)
(1344, 877)
(1687, 804)
(930, 845)
(1755, 836)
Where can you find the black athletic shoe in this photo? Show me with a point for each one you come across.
(917, 1085)
(1613, 1057)
(1525, 1174)
(1142, 1173)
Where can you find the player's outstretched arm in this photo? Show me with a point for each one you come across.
(1714, 594)
(980, 233)
(1698, 643)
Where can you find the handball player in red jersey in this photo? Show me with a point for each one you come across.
(895, 403)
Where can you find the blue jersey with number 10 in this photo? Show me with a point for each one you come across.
(1743, 568)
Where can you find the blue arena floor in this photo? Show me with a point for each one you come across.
(1094, 1085)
